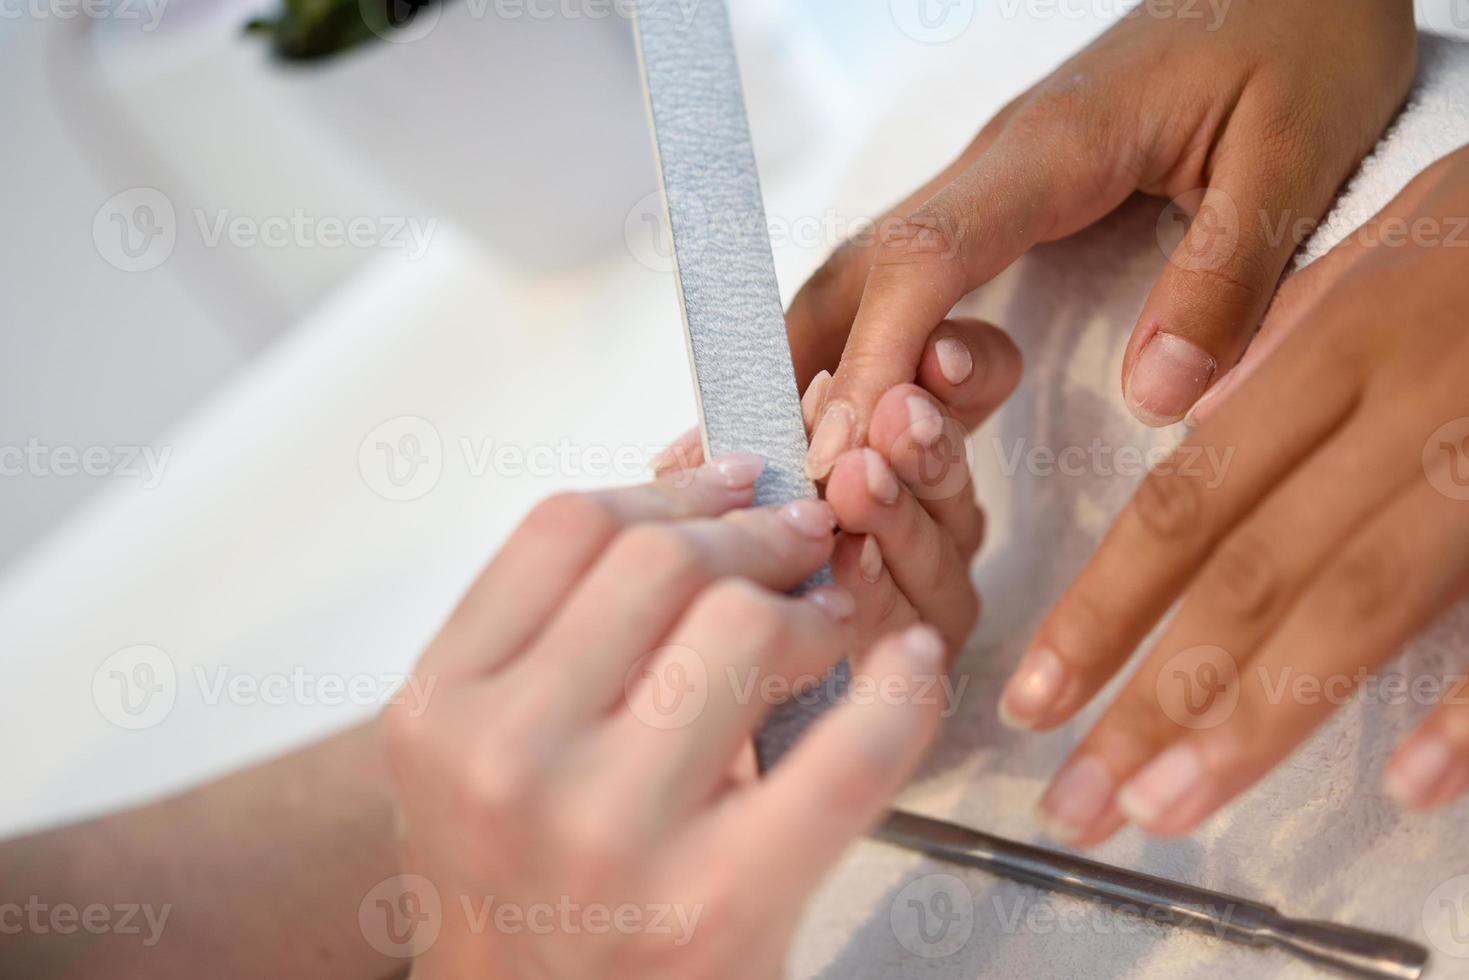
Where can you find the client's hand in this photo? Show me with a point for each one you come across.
(905, 504)
(578, 791)
(1340, 530)
(1252, 122)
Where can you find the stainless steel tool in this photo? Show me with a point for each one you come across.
(748, 402)
(1355, 952)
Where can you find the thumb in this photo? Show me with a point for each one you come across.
(1219, 281)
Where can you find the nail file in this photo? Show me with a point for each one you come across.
(741, 358)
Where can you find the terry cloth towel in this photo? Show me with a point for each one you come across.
(1318, 837)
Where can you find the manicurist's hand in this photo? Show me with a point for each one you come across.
(1253, 120)
(578, 792)
(1339, 530)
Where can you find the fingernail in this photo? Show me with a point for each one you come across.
(924, 421)
(1417, 769)
(1077, 797)
(1162, 785)
(956, 364)
(870, 561)
(924, 647)
(1170, 376)
(832, 437)
(833, 600)
(882, 482)
(814, 396)
(739, 471)
(1034, 687)
(811, 518)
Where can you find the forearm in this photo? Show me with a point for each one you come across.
(258, 874)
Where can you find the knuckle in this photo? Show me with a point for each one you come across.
(596, 852)
(737, 607)
(658, 551)
(930, 234)
(579, 514)
(1244, 578)
(1225, 281)
(851, 787)
(1363, 584)
(405, 735)
(1170, 505)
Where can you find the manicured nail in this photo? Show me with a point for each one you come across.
(1033, 689)
(833, 600)
(882, 482)
(956, 364)
(832, 438)
(1078, 796)
(739, 471)
(924, 647)
(924, 421)
(1163, 784)
(814, 396)
(812, 518)
(1417, 769)
(1170, 376)
(870, 562)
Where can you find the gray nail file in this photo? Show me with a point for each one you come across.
(741, 358)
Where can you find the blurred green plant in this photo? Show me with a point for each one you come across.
(306, 30)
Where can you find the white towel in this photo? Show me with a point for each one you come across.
(1318, 837)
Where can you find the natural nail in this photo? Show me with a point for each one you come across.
(1033, 690)
(1163, 784)
(814, 396)
(812, 518)
(882, 482)
(924, 421)
(956, 364)
(870, 560)
(832, 438)
(1079, 795)
(833, 600)
(1417, 769)
(1170, 376)
(739, 471)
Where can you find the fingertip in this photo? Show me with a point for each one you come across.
(971, 367)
